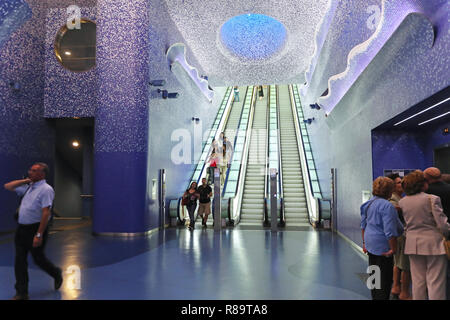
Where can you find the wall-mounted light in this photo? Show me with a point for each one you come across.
(157, 83)
(309, 120)
(76, 144)
(67, 53)
(171, 95)
(315, 106)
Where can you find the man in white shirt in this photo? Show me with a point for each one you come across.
(31, 235)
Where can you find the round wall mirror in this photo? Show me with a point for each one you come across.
(75, 49)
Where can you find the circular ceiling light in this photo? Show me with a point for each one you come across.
(253, 36)
(75, 144)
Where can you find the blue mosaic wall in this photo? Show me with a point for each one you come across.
(406, 149)
(121, 117)
(66, 93)
(13, 13)
(25, 137)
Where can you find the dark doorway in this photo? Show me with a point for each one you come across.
(73, 172)
(442, 159)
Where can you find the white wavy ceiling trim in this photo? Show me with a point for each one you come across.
(393, 14)
(319, 39)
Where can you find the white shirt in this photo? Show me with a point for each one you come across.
(38, 196)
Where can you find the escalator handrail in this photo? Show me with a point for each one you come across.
(312, 202)
(266, 166)
(234, 142)
(245, 152)
(280, 175)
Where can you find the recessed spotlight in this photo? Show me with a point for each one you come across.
(75, 144)
(67, 53)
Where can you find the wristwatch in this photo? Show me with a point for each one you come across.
(38, 235)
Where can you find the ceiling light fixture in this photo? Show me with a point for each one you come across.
(75, 144)
(437, 104)
(442, 115)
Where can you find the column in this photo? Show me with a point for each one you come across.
(121, 119)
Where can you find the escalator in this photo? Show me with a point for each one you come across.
(230, 130)
(252, 205)
(266, 133)
(294, 199)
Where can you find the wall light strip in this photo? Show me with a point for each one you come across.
(434, 118)
(437, 104)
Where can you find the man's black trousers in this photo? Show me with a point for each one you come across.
(24, 244)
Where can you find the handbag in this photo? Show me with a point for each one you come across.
(185, 201)
(447, 247)
(446, 242)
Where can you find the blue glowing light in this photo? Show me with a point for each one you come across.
(253, 36)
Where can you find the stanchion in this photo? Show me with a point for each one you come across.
(217, 213)
(273, 200)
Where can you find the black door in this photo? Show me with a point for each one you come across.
(442, 159)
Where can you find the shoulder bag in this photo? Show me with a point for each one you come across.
(446, 242)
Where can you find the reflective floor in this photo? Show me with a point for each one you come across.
(202, 264)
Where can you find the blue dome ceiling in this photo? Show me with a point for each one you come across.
(253, 36)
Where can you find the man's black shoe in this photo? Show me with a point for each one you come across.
(58, 280)
(21, 297)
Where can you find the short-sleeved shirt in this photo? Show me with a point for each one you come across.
(204, 192)
(380, 223)
(192, 198)
(213, 162)
(36, 196)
